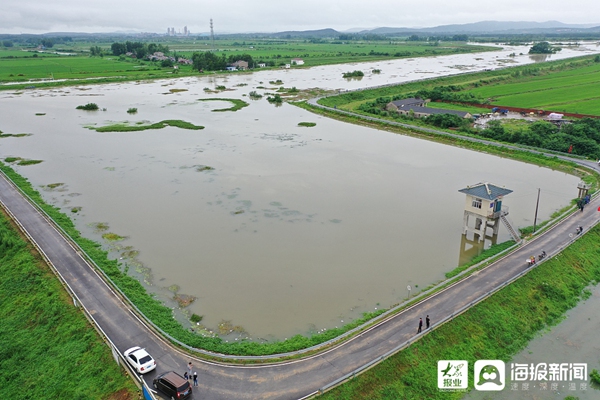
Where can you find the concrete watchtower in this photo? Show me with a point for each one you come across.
(484, 204)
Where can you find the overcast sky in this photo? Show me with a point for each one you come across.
(41, 16)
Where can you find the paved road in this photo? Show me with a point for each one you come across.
(290, 380)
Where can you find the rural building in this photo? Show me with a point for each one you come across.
(261, 65)
(239, 64)
(419, 108)
(297, 61)
(410, 102)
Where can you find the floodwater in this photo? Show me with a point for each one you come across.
(294, 229)
(572, 341)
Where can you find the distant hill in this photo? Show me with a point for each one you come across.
(511, 27)
(319, 33)
(483, 27)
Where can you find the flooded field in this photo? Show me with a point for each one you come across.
(277, 228)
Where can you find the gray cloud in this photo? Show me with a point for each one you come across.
(39, 16)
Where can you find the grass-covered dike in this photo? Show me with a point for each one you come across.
(48, 350)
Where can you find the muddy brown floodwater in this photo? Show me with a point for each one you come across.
(291, 229)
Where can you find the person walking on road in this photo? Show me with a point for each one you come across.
(427, 321)
(190, 366)
(186, 376)
(195, 378)
(420, 325)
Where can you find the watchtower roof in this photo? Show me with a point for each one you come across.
(486, 190)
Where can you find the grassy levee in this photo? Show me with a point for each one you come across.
(48, 350)
(497, 328)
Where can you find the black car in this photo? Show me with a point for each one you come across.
(174, 385)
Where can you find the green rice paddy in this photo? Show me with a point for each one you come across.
(575, 91)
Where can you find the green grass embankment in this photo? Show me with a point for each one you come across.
(497, 328)
(48, 350)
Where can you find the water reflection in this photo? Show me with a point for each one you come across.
(473, 247)
(537, 58)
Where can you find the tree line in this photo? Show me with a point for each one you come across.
(209, 61)
(139, 49)
(444, 38)
(581, 137)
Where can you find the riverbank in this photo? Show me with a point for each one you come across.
(48, 350)
(497, 328)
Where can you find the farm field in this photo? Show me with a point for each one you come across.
(315, 54)
(562, 86)
(19, 69)
(17, 65)
(575, 91)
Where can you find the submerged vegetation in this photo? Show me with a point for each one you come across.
(21, 161)
(112, 237)
(88, 107)
(275, 99)
(124, 127)
(6, 135)
(237, 104)
(353, 74)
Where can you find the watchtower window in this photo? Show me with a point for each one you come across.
(476, 203)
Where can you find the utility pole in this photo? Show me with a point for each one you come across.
(212, 34)
(536, 210)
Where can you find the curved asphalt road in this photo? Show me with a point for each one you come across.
(289, 380)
